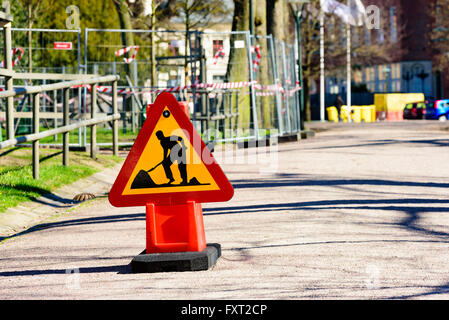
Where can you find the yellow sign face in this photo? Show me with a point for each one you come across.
(169, 163)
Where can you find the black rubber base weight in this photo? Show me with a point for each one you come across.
(177, 261)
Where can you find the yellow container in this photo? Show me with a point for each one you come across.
(368, 114)
(332, 114)
(344, 114)
(395, 101)
(356, 114)
(359, 113)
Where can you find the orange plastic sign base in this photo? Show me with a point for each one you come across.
(175, 228)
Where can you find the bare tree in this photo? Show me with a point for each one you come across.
(439, 36)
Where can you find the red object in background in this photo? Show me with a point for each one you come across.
(62, 45)
(394, 116)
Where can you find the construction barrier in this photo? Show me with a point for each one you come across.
(358, 114)
(364, 113)
(390, 106)
(175, 235)
(332, 114)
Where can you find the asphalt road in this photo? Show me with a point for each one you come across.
(358, 212)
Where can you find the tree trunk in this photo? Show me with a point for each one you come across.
(237, 69)
(277, 15)
(152, 50)
(238, 66)
(127, 40)
(186, 43)
(307, 112)
(264, 75)
(125, 23)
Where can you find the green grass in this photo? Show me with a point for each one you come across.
(16, 179)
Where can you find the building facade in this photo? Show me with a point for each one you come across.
(402, 34)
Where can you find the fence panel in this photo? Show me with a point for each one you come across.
(51, 51)
(224, 103)
(286, 68)
(292, 88)
(106, 52)
(269, 88)
(128, 53)
(238, 87)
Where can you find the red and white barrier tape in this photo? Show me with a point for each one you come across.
(220, 54)
(256, 60)
(121, 52)
(262, 90)
(14, 51)
(227, 85)
(273, 89)
(103, 89)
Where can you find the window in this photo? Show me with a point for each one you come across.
(367, 37)
(332, 34)
(216, 45)
(393, 25)
(176, 47)
(355, 36)
(380, 36)
(343, 35)
(421, 105)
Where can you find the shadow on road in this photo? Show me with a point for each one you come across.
(408, 206)
(119, 269)
(85, 221)
(435, 290)
(274, 183)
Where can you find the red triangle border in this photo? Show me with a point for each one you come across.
(225, 192)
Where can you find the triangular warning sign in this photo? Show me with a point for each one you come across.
(169, 163)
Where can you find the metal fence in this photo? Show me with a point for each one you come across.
(105, 53)
(286, 69)
(50, 50)
(225, 104)
(238, 87)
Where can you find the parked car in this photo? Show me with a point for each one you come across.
(415, 110)
(438, 110)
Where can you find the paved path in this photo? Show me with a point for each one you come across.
(361, 211)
